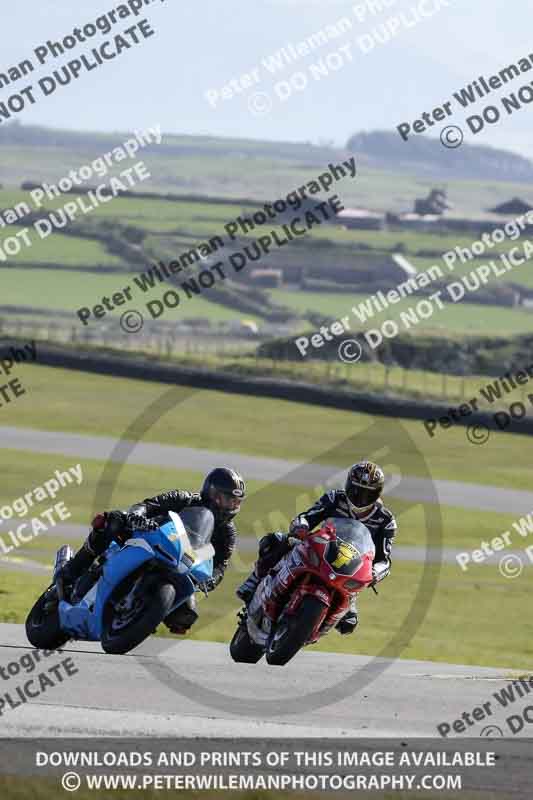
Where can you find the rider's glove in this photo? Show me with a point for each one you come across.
(99, 522)
(207, 586)
(115, 522)
(212, 583)
(137, 522)
(111, 523)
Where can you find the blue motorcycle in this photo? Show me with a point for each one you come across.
(130, 589)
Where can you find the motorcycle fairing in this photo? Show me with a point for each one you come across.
(168, 545)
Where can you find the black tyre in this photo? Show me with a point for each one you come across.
(293, 631)
(242, 649)
(42, 625)
(134, 611)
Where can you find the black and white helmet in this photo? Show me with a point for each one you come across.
(364, 485)
(223, 491)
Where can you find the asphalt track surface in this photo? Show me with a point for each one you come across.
(150, 694)
(449, 493)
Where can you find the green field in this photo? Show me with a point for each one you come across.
(460, 612)
(58, 290)
(243, 168)
(268, 506)
(155, 215)
(70, 290)
(105, 406)
(467, 318)
(521, 274)
(98, 405)
(208, 218)
(171, 228)
(69, 251)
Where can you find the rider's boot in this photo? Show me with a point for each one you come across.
(88, 578)
(57, 590)
(272, 548)
(79, 564)
(95, 544)
(246, 590)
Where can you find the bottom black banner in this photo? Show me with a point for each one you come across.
(500, 766)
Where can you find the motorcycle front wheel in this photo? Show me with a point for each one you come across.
(293, 631)
(43, 628)
(133, 612)
(242, 649)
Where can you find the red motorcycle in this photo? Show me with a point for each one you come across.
(306, 594)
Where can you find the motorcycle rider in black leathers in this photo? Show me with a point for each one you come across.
(222, 492)
(360, 500)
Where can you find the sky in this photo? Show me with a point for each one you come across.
(438, 47)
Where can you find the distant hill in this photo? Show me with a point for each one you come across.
(391, 173)
(16, 134)
(425, 157)
(420, 157)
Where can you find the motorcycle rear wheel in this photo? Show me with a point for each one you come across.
(43, 628)
(293, 631)
(122, 632)
(242, 649)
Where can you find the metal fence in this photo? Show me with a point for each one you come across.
(238, 354)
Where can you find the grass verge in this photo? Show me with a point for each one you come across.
(100, 405)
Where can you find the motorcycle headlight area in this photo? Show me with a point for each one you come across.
(351, 584)
(343, 557)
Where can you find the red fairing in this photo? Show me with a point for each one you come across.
(307, 570)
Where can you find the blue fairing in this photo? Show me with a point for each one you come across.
(167, 546)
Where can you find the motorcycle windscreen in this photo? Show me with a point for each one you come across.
(353, 542)
(199, 523)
